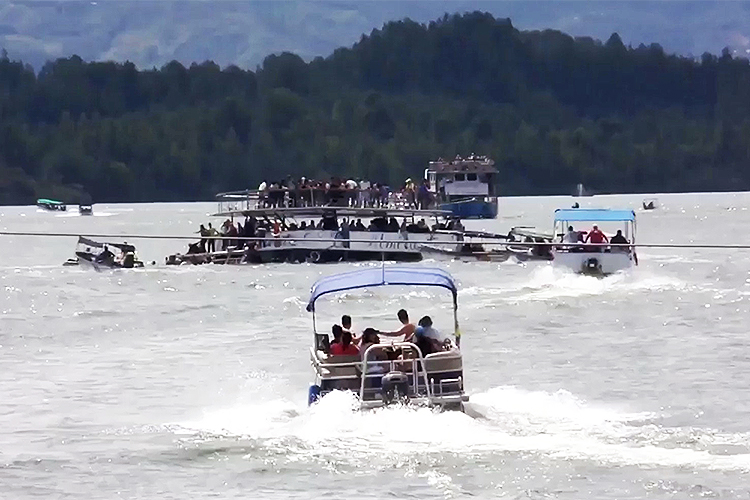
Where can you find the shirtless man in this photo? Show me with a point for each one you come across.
(407, 330)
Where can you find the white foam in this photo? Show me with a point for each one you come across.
(557, 425)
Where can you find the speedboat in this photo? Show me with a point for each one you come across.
(51, 205)
(100, 256)
(379, 375)
(598, 259)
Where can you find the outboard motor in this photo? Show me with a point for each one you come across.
(591, 266)
(395, 387)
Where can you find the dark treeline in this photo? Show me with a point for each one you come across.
(552, 111)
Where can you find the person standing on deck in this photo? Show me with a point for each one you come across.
(212, 234)
(596, 237)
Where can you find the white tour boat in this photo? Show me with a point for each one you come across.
(382, 375)
(579, 254)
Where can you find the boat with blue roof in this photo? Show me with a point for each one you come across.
(423, 369)
(605, 247)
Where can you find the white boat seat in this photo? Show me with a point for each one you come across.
(330, 368)
(447, 361)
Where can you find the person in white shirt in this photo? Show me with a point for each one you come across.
(571, 236)
(364, 193)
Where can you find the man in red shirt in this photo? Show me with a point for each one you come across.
(596, 236)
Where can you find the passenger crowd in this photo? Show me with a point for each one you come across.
(256, 228)
(346, 343)
(338, 192)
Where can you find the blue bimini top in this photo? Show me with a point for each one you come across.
(593, 215)
(380, 276)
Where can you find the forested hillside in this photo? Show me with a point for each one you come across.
(551, 110)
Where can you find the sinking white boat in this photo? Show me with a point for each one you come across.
(579, 252)
(400, 372)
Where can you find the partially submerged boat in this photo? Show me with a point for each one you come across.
(334, 235)
(90, 253)
(596, 259)
(51, 205)
(381, 376)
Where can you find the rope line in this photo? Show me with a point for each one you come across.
(738, 246)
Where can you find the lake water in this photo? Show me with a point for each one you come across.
(191, 382)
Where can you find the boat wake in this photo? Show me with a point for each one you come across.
(504, 420)
(546, 283)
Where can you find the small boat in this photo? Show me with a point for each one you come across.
(99, 256)
(85, 205)
(51, 205)
(380, 376)
(594, 259)
(650, 204)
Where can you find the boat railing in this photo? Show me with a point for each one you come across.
(417, 366)
(414, 365)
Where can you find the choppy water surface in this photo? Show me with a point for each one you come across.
(191, 382)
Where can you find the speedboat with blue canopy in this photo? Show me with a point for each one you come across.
(425, 369)
(606, 246)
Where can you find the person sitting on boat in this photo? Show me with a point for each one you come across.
(407, 328)
(619, 239)
(370, 337)
(337, 331)
(106, 257)
(359, 226)
(428, 339)
(346, 324)
(345, 347)
(596, 237)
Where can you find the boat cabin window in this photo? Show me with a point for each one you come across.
(460, 177)
(485, 178)
(471, 177)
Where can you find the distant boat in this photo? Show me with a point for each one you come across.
(650, 204)
(85, 205)
(581, 191)
(51, 205)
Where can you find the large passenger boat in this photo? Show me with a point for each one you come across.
(401, 372)
(583, 252)
(464, 186)
(326, 234)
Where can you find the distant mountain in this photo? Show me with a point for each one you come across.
(151, 33)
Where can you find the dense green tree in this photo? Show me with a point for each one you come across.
(551, 109)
